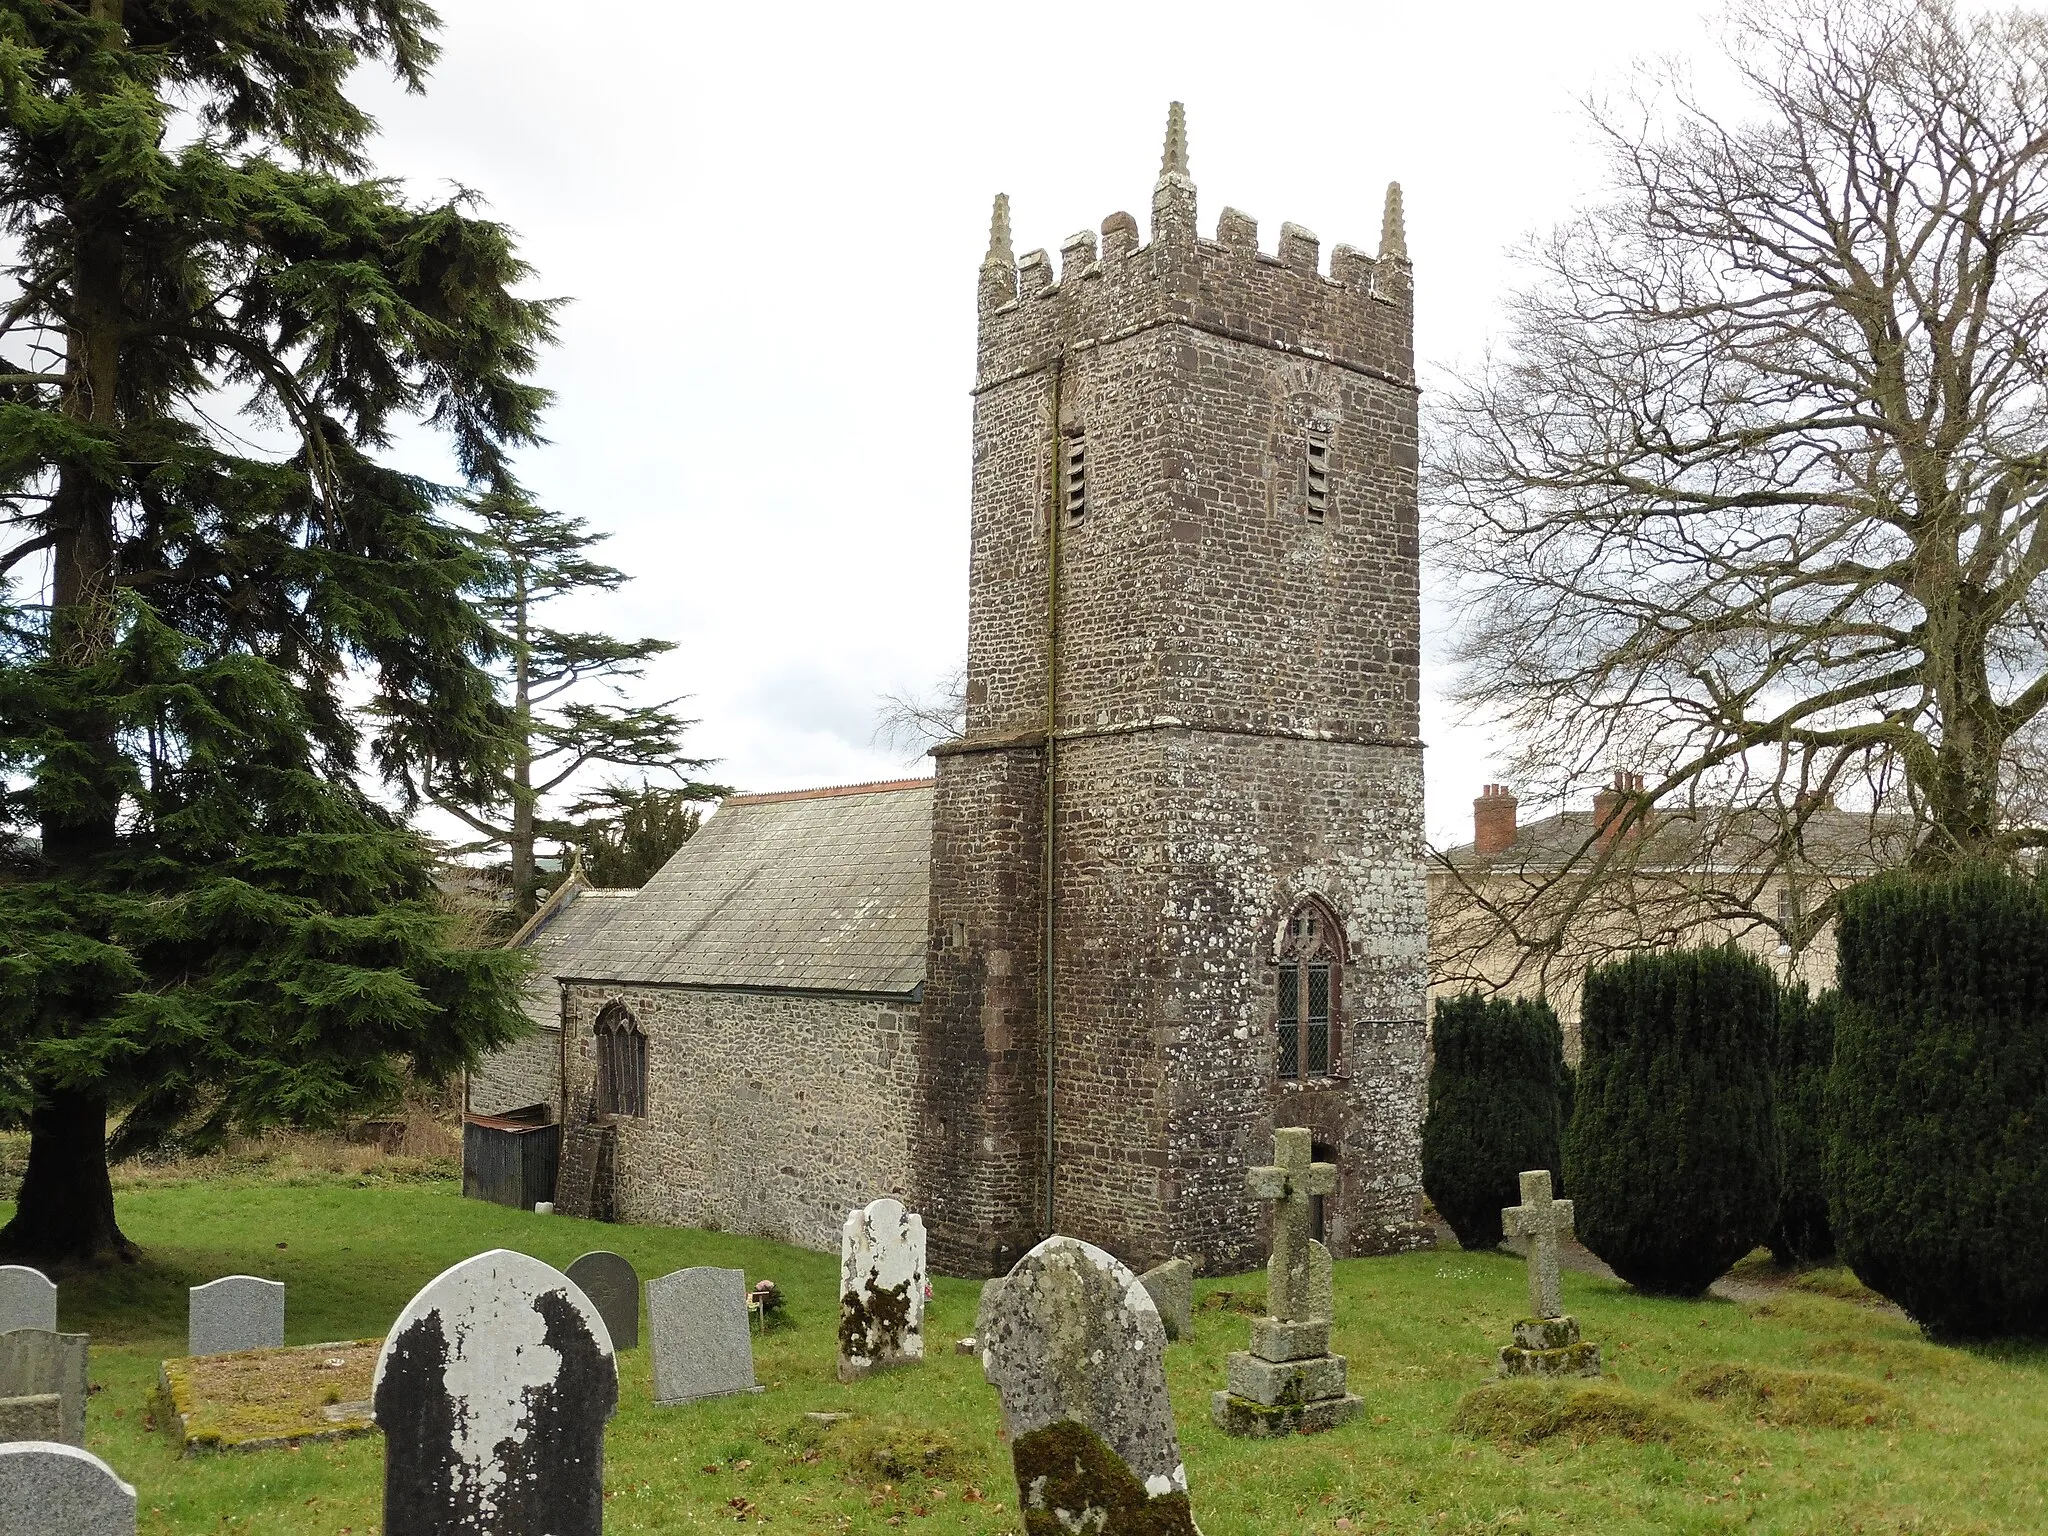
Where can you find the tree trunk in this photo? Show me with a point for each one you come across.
(65, 1211)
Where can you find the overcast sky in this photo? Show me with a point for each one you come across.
(770, 218)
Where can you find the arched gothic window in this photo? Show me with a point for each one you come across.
(1311, 979)
(621, 1062)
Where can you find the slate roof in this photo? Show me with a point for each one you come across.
(816, 891)
(565, 922)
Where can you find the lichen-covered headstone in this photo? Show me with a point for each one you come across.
(1074, 1347)
(235, 1313)
(28, 1299)
(697, 1329)
(613, 1285)
(47, 1489)
(1172, 1288)
(881, 1289)
(35, 1362)
(493, 1390)
(1547, 1341)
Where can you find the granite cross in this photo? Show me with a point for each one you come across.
(1289, 1184)
(1543, 1221)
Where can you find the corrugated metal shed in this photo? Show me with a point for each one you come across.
(819, 891)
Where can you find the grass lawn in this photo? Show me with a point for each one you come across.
(1961, 1448)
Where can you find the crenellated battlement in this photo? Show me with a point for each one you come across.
(1358, 311)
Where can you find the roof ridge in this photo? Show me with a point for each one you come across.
(869, 787)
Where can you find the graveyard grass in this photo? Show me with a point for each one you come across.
(1674, 1441)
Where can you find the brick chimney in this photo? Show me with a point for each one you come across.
(1610, 804)
(1493, 820)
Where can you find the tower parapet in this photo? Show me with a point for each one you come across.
(1357, 313)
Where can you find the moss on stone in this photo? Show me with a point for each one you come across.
(1069, 1480)
(267, 1397)
(1529, 1412)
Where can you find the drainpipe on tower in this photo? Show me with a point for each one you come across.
(1049, 874)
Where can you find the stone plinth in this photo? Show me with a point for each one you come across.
(1549, 1346)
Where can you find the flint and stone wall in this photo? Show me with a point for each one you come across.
(770, 1114)
(1236, 729)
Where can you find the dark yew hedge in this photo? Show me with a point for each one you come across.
(1806, 1049)
(1937, 1103)
(1672, 1149)
(1498, 1092)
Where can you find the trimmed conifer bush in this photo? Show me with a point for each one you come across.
(1937, 1103)
(1806, 1048)
(1497, 1094)
(1672, 1149)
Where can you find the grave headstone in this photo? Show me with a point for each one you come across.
(1288, 1382)
(493, 1389)
(697, 1329)
(27, 1298)
(1547, 1341)
(881, 1289)
(1075, 1349)
(48, 1489)
(1172, 1288)
(613, 1285)
(36, 1417)
(235, 1313)
(35, 1362)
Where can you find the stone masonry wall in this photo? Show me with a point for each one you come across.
(524, 1072)
(768, 1114)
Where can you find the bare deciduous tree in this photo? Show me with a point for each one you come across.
(1751, 498)
(913, 723)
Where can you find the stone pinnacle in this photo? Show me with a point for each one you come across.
(1393, 227)
(1174, 162)
(999, 252)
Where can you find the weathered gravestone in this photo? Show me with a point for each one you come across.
(697, 1328)
(1288, 1382)
(493, 1390)
(59, 1490)
(613, 1286)
(1172, 1288)
(1546, 1341)
(881, 1289)
(39, 1416)
(1073, 1345)
(27, 1299)
(234, 1313)
(35, 1362)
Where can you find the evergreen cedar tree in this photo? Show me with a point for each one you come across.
(557, 729)
(1806, 1047)
(1672, 1150)
(209, 922)
(634, 831)
(1937, 1104)
(1498, 1090)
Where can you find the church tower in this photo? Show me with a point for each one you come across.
(1176, 882)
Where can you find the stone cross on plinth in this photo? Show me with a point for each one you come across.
(1543, 1221)
(1288, 1382)
(1547, 1342)
(1291, 1284)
